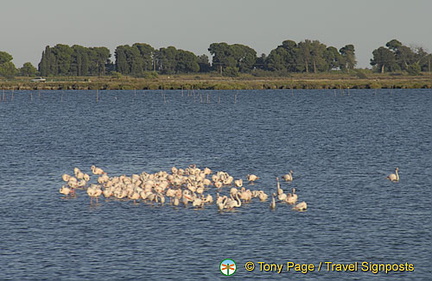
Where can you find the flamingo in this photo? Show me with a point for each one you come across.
(278, 187)
(78, 174)
(292, 197)
(252, 178)
(65, 190)
(394, 177)
(262, 196)
(108, 192)
(134, 195)
(273, 203)
(96, 170)
(280, 194)
(208, 199)
(66, 177)
(233, 202)
(198, 202)
(221, 202)
(289, 176)
(94, 191)
(302, 206)
(238, 183)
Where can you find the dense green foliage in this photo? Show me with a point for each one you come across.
(74, 61)
(309, 56)
(398, 57)
(7, 68)
(28, 70)
(142, 60)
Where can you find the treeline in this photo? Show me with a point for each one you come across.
(142, 60)
(74, 61)
(230, 60)
(395, 57)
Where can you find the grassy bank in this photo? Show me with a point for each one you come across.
(215, 82)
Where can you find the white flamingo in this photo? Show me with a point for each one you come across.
(302, 206)
(262, 196)
(394, 177)
(273, 203)
(94, 191)
(66, 190)
(252, 178)
(96, 170)
(292, 197)
(289, 176)
(233, 202)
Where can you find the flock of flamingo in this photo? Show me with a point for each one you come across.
(179, 187)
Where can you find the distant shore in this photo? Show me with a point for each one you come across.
(214, 82)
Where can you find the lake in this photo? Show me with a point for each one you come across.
(341, 145)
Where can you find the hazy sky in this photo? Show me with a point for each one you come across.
(27, 26)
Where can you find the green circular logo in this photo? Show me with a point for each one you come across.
(228, 267)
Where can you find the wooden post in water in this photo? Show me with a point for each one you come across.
(97, 95)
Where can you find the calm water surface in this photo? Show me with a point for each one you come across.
(341, 146)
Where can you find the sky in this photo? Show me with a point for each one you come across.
(28, 26)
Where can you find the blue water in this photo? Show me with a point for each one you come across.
(340, 145)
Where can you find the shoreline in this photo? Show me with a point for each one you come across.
(207, 82)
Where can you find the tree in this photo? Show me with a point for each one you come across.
(332, 57)
(204, 63)
(276, 60)
(290, 58)
(7, 68)
(348, 60)
(28, 69)
(147, 53)
(317, 56)
(47, 63)
(5, 57)
(221, 56)
(79, 61)
(63, 59)
(261, 62)
(121, 61)
(384, 60)
(245, 57)
(304, 56)
(186, 62)
(283, 58)
(397, 57)
(406, 58)
(237, 56)
(166, 60)
(99, 59)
